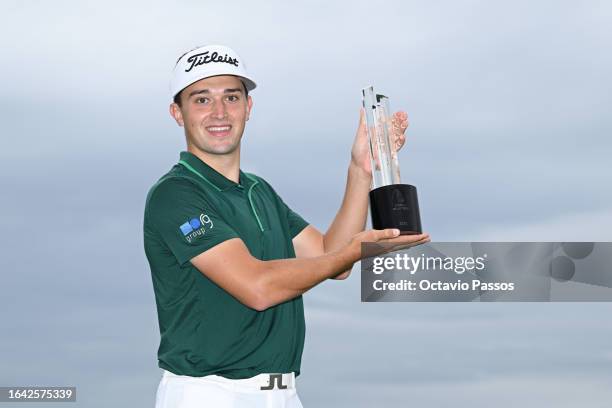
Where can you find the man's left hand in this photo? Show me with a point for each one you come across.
(360, 153)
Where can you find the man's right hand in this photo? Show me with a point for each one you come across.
(389, 236)
(390, 240)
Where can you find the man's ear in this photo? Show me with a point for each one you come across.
(175, 112)
(249, 106)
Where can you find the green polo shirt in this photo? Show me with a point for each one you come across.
(205, 330)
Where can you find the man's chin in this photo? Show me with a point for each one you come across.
(221, 150)
(217, 147)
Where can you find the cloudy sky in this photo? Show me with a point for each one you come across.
(509, 141)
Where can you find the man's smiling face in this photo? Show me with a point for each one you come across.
(213, 112)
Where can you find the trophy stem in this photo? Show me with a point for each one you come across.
(392, 204)
(384, 163)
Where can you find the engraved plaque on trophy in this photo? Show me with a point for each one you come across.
(392, 204)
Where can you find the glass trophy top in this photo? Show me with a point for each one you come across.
(383, 153)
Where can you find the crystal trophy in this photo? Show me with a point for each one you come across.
(392, 204)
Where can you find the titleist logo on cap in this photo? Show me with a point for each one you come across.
(204, 58)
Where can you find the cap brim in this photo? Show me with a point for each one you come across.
(248, 82)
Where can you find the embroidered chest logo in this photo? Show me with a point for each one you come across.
(196, 227)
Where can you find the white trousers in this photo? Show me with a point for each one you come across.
(180, 391)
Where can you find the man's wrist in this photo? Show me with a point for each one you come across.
(359, 173)
(344, 257)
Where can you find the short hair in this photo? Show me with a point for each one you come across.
(177, 97)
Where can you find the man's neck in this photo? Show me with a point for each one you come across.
(226, 164)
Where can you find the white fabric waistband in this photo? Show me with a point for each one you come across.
(267, 381)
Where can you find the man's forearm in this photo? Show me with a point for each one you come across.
(284, 279)
(280, 280)
(352, 215)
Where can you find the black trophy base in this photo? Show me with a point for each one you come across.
(396, 206)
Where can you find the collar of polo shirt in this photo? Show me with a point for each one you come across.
(212, 176)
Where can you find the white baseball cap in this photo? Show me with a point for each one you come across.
(207, 61)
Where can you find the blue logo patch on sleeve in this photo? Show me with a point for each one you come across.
(196, 227)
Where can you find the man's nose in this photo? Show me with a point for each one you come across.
(219, 110)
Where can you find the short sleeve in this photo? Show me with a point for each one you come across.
(185, 218)
(296, 222)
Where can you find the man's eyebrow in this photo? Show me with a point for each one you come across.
(197, 92)
(206, 91)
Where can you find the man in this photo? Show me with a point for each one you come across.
(229, 259)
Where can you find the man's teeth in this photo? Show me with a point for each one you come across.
(218, 128)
